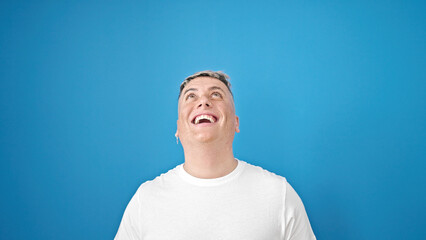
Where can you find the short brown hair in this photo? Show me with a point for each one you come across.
(219, 75)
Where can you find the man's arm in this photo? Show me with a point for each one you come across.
(297, 226)
(128, 229)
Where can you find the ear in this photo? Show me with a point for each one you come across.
(237, 124)
(177, 132)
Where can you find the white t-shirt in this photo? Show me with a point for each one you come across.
(249, 203)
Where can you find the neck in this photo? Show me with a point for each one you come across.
(209, 160)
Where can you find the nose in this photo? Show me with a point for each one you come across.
(204, 101)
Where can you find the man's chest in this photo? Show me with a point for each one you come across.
(212, 216)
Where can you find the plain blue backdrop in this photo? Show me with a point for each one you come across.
(330, 94)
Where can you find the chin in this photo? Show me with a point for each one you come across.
(204, 138)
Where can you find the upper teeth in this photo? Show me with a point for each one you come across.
(208, 117)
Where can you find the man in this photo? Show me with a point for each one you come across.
(213, 195)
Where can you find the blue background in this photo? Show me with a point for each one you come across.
(330, 94)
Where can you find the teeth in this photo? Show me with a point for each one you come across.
(208, 117)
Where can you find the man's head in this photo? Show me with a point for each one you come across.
(206, 111)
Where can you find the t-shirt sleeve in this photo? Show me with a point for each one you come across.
(129, 229)
(297, 226)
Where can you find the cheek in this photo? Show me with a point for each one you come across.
(183, 115)
(230, 110)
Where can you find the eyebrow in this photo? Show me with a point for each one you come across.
(211, 88)
(190, 89)
(216, 88)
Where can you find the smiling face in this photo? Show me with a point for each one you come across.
(206, 112)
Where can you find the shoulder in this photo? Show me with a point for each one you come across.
(264, 180)
(161, 183)
(265, 176)
(261, 174)
(269, 180)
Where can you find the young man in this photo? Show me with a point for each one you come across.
(213, 195)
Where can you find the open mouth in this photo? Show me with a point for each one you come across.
(204, 118)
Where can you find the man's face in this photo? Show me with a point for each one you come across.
(206, 112)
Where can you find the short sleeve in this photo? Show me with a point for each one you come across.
(129, 226)
(296, 222)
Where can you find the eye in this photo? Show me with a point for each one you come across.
(217, 94)
(191, 95)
